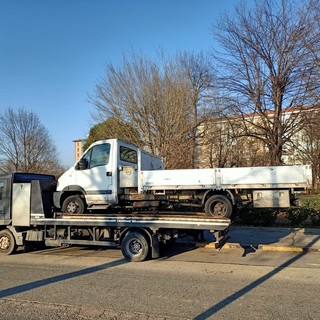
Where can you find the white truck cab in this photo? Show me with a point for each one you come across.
(105, 170)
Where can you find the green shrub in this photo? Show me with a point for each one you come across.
(298, 216)
(308, 214)
(313, 203)
(265, 217)
(315, 218)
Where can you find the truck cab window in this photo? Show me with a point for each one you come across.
(96, 156)
(128, 155)
(100, 155)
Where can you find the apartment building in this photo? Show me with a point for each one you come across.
(225, 142)
(78, 148)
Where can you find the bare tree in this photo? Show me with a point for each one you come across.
(198, 70)
(307, 143)
(25, 144)
(267, 68)
(158, 99)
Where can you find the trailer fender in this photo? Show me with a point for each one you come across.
(232, 197)
(212, 192)
(19, 236)
(60, 196)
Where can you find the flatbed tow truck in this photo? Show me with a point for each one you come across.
(27, 218)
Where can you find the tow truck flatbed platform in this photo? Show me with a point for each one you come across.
(152, 220)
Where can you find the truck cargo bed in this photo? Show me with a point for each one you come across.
(228, 178)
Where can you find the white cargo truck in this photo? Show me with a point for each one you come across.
(27, 218)
(116, 175)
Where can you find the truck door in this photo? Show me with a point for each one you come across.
(94, 175)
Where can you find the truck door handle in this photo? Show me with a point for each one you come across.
(109, 174)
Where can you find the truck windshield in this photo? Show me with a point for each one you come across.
(97, 156)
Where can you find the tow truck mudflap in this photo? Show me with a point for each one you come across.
(155, 246)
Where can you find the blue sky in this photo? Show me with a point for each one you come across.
(52, 53)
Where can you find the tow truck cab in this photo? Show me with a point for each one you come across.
(22, 193)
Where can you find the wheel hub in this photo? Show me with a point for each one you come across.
(219, 208)
(135, 246)
(4, 243)
(73, 207)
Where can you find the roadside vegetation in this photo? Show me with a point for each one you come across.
(307, 214)
(26, 145)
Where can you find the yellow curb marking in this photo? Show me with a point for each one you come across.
(283, 249)
(261, 247)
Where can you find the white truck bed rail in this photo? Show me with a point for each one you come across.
(296, 177)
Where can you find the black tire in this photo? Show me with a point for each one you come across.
(73, 204)
(218, 206)
(7, 242)
(135, 247)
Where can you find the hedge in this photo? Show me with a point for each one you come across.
(305, 215)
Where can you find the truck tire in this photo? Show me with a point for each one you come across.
(73, 204)
(218, 206)
(7, 242)
(135, 247)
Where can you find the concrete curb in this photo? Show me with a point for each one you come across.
(266, 239)
(213, 245)
(272, 229)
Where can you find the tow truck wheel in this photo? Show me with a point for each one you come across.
(73, 204)
(7, 242)
(218, 206)
(135, 247)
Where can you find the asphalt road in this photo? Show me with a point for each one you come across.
(186, 283)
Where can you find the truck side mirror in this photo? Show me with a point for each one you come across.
(82, 164)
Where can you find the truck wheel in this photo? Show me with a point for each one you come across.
(135, 247)
(73, 204)
(7, 242)
(218, 206)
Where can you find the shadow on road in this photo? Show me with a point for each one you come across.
(178, 246)
(44, 282)
(171, 250)
(228, 300)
